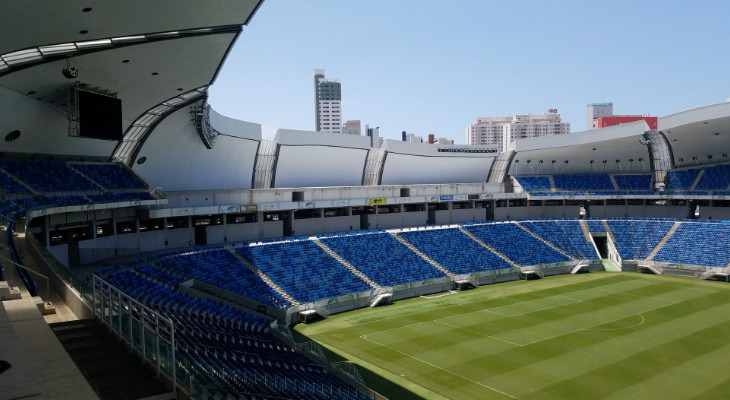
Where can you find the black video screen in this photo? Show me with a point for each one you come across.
(100, 116)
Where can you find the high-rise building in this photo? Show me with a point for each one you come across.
(352, 127)
(374, 135)
(327, 103)
(595, 111)
(501, 131)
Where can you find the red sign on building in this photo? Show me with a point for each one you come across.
(622, 119)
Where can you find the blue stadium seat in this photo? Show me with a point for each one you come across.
(110, 176)
(383, 259)
(635, 239)
(634, 181)
(533, 183)
(567, 235)
(440, 245)
(48, 175)
(583, 182)
(682, 179)
(516, 244)
(698, 243)
(304, 270)
(232, 347)
(715, 178)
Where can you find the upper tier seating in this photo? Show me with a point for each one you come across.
(639, 181)
(532, 183)
(516, 244)
(110, 176)
(382, 258)
(441, 246)
(682, 179)
(678, 182)
(10, 185)
(593, 184)
(705, 244)
(304, 270)
(56, 183)
(582, 181)
(715, 178)
(47, 175)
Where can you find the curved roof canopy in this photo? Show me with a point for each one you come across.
(43, 22)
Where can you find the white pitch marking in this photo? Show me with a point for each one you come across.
(534, 311)
(442, 369)
(590, 327)
(636, 295)
(618, 329)
(478, 333)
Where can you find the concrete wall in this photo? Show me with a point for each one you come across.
(132, 243)
(715, 213)
(325, 225)
(233, 233)
(397, 220)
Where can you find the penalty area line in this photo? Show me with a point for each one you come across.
(364, 337)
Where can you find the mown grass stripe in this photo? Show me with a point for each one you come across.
(689, 325)
(632, 374)
(609, 348)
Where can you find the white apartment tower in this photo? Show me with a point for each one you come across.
(501, 131)
(327, 104)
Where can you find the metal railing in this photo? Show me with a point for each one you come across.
(42, 255)
(145, 330)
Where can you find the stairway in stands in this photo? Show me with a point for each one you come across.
(346, 264)
(266, 279)
(608, 231)
(111, 370)
(488, 247)
(538, 237)
(586, 231)
(420, 254)
(663, 241)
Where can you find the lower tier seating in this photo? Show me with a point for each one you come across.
(232, 347)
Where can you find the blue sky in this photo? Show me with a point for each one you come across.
(432, 66)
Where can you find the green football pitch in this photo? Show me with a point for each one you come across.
(589, 336)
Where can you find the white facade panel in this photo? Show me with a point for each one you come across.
(406, 169)
(234, 127)
(306, 166)
(176, 158)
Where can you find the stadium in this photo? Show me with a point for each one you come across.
(156, 249)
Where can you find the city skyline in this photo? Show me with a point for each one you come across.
(436, 67)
